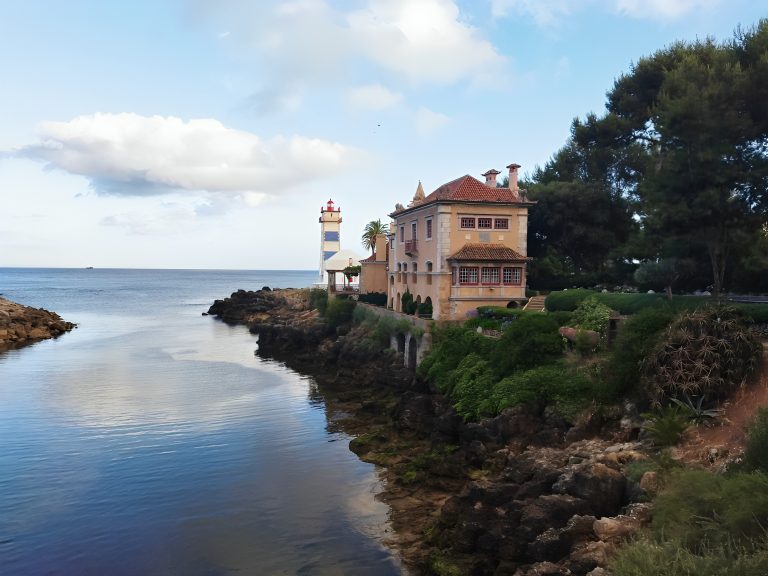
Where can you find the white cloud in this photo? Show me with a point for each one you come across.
(373, 97)
(428, 121)
(129, 154)
(307, 43)
(662, 9)
(548, 13)
(426, 41)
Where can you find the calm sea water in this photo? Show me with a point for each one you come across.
(152, 441)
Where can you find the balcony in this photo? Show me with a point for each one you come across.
(411, 247)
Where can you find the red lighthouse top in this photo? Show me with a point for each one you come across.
(329, 207)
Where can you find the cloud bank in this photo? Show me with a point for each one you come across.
(132, 155)
(551, 12)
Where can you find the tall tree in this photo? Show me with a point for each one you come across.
(373, 229)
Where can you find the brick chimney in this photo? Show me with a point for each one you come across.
(490, 177)
(513, 177)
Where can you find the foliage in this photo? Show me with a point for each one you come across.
(407, 303)
(318, 300)
(425, 309)
(568, 390)
(374, 298)
(703, 353)
(663, 273)
(591, 315)
(637, 336)
(351, 271)
(339, 312)
(666, 426)
(695, 411)
(701, 510)
(532, 340)
(470, 385)
(756, 450)
(450, 343)
(373, 229)
(648, 556)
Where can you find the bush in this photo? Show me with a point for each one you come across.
(318, 300)
(469, 387)
(530, 341)
(374, 298)
(591, 315)
(568, 390)
(701, 510)
(703, 353)
(450, 344)
(339, 312)
(407, 304)
(756, 450)
(637, 337)
(425, 309)
(666, 426)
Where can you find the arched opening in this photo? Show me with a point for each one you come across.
(391, 303)
(401, 343)
(429, 272)
(426, 308)
(415, 269)
(398, 302)
(412, 353)
(513, 304)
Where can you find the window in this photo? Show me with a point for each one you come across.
(429, 229)
(490, 276)
(468, 275)
(485, 223)
(413, 230)
(402, 234)
(429, 269)
(413, 275)
(513, 276)
(501, 224)
(391, 242)
(467, 222)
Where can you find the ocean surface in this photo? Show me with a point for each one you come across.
(152, 441)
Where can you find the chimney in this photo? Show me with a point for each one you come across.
(490, 177)
(513, 177)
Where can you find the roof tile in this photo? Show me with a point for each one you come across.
(494, 252)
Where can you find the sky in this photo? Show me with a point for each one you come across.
(208, 133)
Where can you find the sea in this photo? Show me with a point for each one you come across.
(151, 440)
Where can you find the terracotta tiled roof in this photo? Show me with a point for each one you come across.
(371, 258)
(495, 252)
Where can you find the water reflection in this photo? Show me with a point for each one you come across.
(159, 444)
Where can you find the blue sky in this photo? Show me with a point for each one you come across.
(206, 134)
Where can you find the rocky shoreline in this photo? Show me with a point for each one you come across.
(22, 325)
(525, 493)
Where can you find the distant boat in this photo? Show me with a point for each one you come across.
(89, 267)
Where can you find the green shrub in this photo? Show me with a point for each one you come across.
(339, 312)
(562, 317)
(637, 336)
(646, 557)
(703, 353)
(450, 344)
(318, 300)
(567, 300)
(407, 304)
(568, 390)
(425, 309)
(701, 510)
(530, 341)
(666, 426)
(374, 298)
(756, 450)
(591, 315)
(469, 387)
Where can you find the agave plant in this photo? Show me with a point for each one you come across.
(696, 411)
(705, 353)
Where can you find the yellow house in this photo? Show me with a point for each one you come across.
(373, 270)
(462, 246)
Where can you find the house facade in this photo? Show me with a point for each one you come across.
(373, 273)
(462, 246)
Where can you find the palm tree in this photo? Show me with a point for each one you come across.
(373, 229)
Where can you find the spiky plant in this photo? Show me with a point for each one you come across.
(705, 353)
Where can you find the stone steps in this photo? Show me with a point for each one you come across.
(535, 303)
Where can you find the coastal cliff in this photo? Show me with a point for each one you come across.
(525, 493)
(22, 325)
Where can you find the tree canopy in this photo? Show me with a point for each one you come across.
(373, 229)
(677, 167)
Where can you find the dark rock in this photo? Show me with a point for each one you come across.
(602, 487)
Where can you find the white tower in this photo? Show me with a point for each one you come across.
(330, 234)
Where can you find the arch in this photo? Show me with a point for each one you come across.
(400, 343)
(398, 302)
(426, 308)
(513, 304)
(412, 353)
(391, 303)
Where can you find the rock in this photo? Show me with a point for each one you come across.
(650, 482)
(573, 334)
(615, 529)
(600, 486)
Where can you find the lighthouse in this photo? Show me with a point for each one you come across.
(330, 234)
